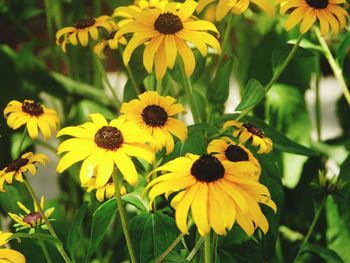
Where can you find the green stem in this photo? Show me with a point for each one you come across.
(318, 109)
(215, 247)
(337, 70)
(23, 137)
(189, 93)
(130, 73)
(312, 227)
(276, 74)
(123, 219)
(44, 249)
(207, 248)
(195, 249)
(46, 220)
(169, 249)
(159, 86)
(105, 78)
(37, 203)
(225, 40)
(50, 34)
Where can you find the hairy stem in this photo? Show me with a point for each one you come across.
(123, 219)
(337, 70)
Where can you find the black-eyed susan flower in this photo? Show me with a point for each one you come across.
(81, 31)
(110, 42)
(246, 131)
(329, 13)
(31, 220)
(16, 168)
(155, 114)
(103, 146)
(126, 13)
(237, 7)
(215, 191)
(227, 150)
(8, 255)
(34, 115)
(167, 33)
(104, 192)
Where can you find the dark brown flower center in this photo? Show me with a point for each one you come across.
(254, 130)
(154, 115)
(32, 219)
(16, 164)
(84, 23)
(207, 168)
(109, 138)
(32, 108)
(168, 23)
(234, 153)
(318, 4)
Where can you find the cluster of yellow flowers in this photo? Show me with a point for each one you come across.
(227, 176)
(166, 28)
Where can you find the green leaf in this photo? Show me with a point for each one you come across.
(281, 53)
(74, 230)
(254, 92)
(343, 48)
(218, 89)
(202, 127)
(330, 256)
(152, 234)
(173, 257)
(82, 89)
(194, 144)
(134, 200)
(44, 237)
(101, 219)
(280, 141)
(338, 232)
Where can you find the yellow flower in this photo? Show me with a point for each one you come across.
(102, 145)
(9, 255)
(237, 7)
(110, 42)
(126, 12)
(17, 167)
(81, 30)
(328, 12)
(104, 192)
(31, 219)
(246, 131)
(34, 115)
(227, 150)
(153, 113)
(166, 33)
(215, 191)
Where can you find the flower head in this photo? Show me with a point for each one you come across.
(329, 13)
(227, 150)
(110, 42)
(246, 131)
(154, 114)
(81, 30)
(167, 33)
(126, 13)
(103, 146)
(16, 168)
(215, 191)
(34, 115)
(237, 7)
(9, 255)
(31, 220)
(104, 192)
